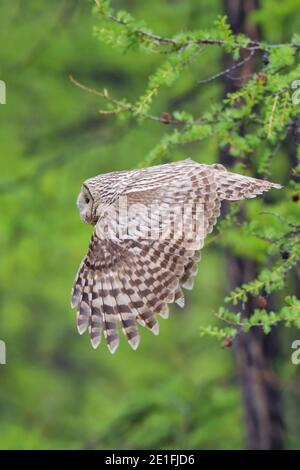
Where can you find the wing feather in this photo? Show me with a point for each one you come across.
(133, 278)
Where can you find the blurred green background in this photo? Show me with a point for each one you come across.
(178, 390)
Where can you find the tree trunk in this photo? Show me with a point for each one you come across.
(253, 351)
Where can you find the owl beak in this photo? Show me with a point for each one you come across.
(89, 219)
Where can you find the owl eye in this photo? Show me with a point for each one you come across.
(87, 200)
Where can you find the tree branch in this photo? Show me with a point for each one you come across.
(252, 45)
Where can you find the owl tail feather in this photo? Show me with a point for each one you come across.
(179, 298)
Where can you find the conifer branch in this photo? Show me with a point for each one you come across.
(250, 45)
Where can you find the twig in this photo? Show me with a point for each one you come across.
(126, 107)
(121, 105)
(163, 40)
(229, 69)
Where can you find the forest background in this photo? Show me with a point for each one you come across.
(211, 380)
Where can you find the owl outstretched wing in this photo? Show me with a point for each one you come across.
(131, 276)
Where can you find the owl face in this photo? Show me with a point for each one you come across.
(85, 204)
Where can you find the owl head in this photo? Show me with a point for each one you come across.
(86, 206)
(98, 193)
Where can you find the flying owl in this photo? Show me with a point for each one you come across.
(149, 228)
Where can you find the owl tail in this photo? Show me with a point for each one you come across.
(234, 187)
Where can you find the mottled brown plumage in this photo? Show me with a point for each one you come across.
(150, 226)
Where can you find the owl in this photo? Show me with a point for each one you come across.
(149, 229)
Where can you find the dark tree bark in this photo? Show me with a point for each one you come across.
(253, 351)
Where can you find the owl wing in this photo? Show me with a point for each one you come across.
(133, 278)
(234, 187)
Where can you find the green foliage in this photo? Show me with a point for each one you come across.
(225, 34)
(166, 75)
(289, 315)
(264, 108)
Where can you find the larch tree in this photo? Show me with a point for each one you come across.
(257, 117)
